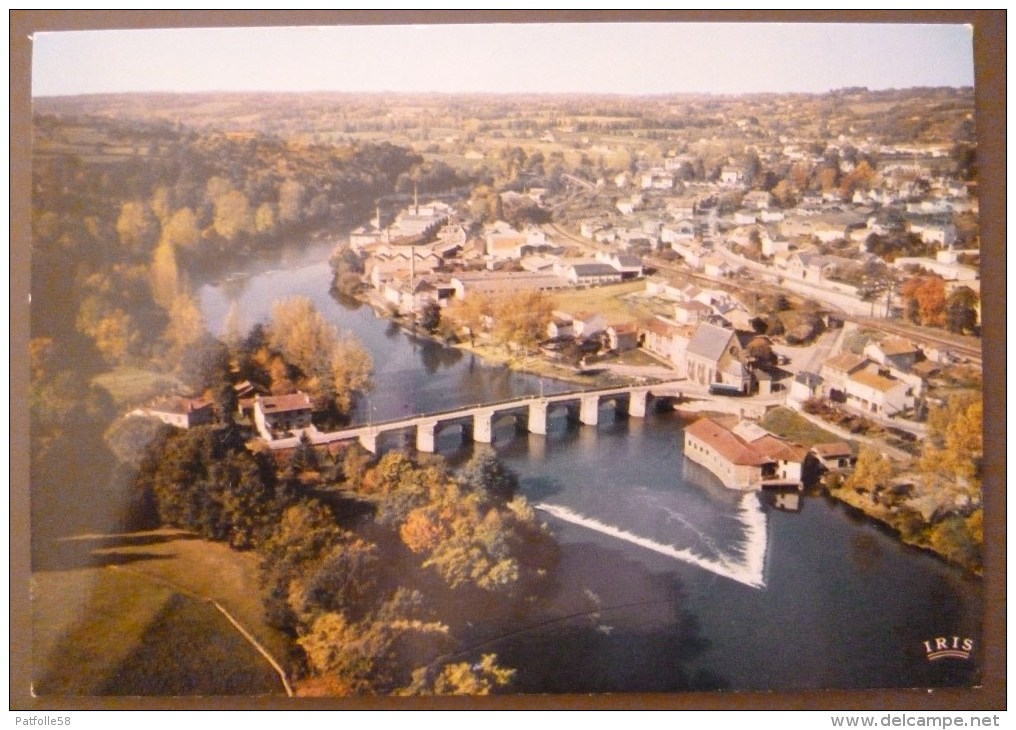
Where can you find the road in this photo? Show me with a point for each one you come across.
(822, 350)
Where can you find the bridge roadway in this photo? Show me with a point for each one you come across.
(480, 418)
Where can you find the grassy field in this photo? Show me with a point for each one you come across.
(784, 422)
(132, 386)
(138, 620)
(610, 301)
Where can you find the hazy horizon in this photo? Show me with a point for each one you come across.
(617, 59)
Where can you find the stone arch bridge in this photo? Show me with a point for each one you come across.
(531, 413)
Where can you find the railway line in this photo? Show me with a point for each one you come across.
(968, 348)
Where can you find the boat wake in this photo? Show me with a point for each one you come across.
(748, 569)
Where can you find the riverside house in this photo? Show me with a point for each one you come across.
(745, 457)
(278, 416)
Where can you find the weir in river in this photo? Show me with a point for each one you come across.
(749, 570)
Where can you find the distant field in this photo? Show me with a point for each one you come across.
(137, 620)
(872, 107)
(132, 386)
(606, 300)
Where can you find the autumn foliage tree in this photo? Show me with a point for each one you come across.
(873, 471)
(954, 448)
(521, 320)
(950, 465)
(334, 366)
(471, 313)
(925, 300)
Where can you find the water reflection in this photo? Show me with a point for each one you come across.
(627, 629)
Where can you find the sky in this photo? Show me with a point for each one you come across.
(623, 58)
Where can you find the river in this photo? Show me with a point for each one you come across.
(668, 580)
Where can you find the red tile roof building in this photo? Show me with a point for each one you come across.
(746, 457)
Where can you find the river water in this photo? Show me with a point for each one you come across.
(668, 580)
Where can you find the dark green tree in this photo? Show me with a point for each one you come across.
(430, 317)
(306, 532)
(961, 310)
(205, 364)
(487, 475)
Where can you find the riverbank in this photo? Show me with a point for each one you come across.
(947, 538)
(598, 375)
(939, 539)
(905, 520)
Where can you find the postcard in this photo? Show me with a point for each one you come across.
(506, 359)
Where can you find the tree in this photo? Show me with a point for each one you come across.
(233, 215)
(761, 350)
(301, 334)
(264, 220)
(136, 225)
(290, 196)
(925, 300)
(186, 326)
(829, 178)
(346, 579)
(878, 280)
(336, 365)
(860, 178)
(304, 457)
(954, 447)
(352, 369)
(752, 168)
(872, 471)
(347, 270)
(162, 203)
(305, 533)
(181, 231)
(486, 475)
(961, 310)
(397, 486)
(374, 656)
(205, 364)
(462, 678)
(784, 194)
(165, 277)
(205, 480)
(116, 337)
(471, 313)
(522, 319)
(498, 550)
(430, 318)
(355, 462)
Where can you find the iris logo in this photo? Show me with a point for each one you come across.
(948, 648)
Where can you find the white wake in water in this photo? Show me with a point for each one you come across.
(749, 570)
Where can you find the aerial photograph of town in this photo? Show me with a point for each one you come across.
(505, 359)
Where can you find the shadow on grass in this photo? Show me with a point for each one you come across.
(99, 551)
(189, 648)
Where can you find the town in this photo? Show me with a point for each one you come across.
(728, 296)
(751, 272)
